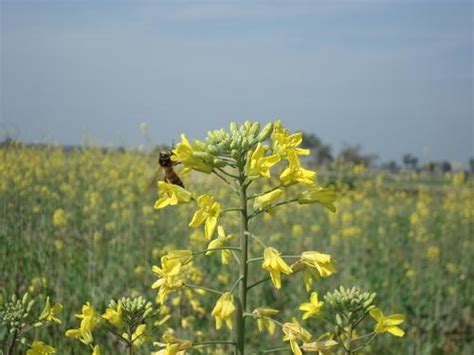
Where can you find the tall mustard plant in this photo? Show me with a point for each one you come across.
(245, 158)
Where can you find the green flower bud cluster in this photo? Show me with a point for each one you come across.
(135, 310)
(351, 303)
(14, 314)
(237, 141)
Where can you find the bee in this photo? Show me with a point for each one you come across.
(167, 164)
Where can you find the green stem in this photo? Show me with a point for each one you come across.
(364, 345)
(256, 213)
(258, 283)
(272, 350)
(213, 249)
(235, 284)
(242, 298)
(212, 342)
(266, 192)
(204, 288)
(349, 340)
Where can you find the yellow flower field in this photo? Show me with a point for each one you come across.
(88, 225)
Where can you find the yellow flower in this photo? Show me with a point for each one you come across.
(172, 195)
(294, 173)
(313, 307)
(219, 242)
(313, 265)
(49, 314)
(90, 320)
(114, 316)
(183, 256)
(40, 348)
(263, 321)
(325, 197)
(388, 323)
(60, 218)
(224, 310)
(209, 212)
(322, 347)
(169, 278)
(96, 350)
(266, 200)
(433, 253)
(259, 165)
(139, 335)
(192, 156)
(284, 143)
(174, 346)
(294, 333)
(275, 265)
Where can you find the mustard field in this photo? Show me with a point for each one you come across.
(81, 226)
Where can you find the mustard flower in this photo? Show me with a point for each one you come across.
(263, 321)
(387, 323)
(294, 173)
(284, 143)
(313, 307)
(49, 314)
(209, 212)
(294, 333)
(314, 265)
(138, 337)
(114, 316)
(220, 242)
(183, 256)
(275, 265)
(89, 321)
(188, 154)
(322, 347)
(266, 200)
(174, 346)
(325, 197)
(40, 348)
(60, 218)
(259, 165)
(171, 195)
(224, 310)
(96, 350)
(169, 278)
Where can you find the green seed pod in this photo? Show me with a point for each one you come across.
(219, 163)
(211, 148)
(338, 320)
(222, 145)
(254, 129)
(265, 132)
(234, 128)
(235, 154)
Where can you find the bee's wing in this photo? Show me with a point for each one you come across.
(159, 175)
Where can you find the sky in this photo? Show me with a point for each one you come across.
(394, 76)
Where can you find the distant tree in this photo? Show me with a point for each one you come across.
(321, 152)
(446, 167)
(352, 153)
(471, 165)
(391, 166)
(410, 161)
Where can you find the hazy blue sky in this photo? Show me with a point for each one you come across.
(395, 76)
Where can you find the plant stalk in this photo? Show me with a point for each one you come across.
(242, 298)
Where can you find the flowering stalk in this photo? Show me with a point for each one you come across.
(242, 299)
